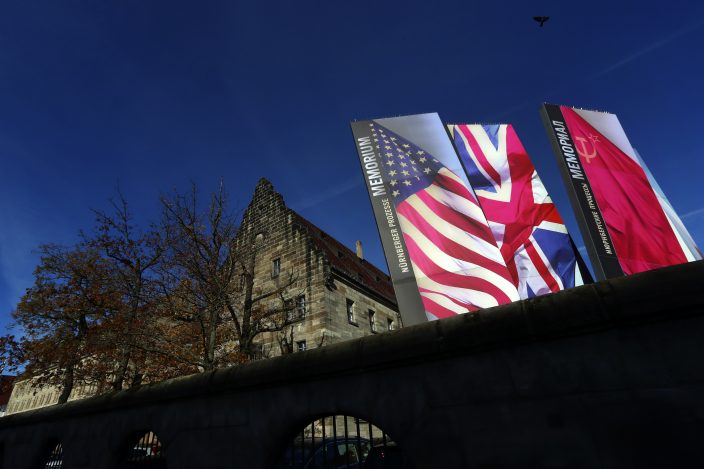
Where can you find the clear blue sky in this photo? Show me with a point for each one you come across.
(155, 94)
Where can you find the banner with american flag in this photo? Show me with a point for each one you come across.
(416, 184)
(623, 223)
(530, 233)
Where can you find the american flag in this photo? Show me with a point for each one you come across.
(529, 231)
(455, 260)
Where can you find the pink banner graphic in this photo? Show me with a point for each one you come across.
(642, 237)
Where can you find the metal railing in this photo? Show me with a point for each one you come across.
(146, 450)
(56, 458)
(336, 441)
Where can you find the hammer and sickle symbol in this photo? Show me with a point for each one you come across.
(582, 148)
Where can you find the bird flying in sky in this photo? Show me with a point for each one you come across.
(541, 19)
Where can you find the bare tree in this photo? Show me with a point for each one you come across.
(198, 273)
(285, 340)
(210, 280)
(134, 258)
(260, 305)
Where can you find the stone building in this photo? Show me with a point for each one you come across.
(26, 396)
(338, 294)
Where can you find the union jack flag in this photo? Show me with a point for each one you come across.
(455, 260)
(528, 229)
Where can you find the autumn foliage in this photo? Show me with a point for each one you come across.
(128, 305)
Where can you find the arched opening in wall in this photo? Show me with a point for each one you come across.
(55, 459)
(341, 441)
(145, 450)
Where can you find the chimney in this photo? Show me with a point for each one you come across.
(358, 246)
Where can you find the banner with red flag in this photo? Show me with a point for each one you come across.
(622, 221)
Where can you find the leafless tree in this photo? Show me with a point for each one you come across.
(260, 305)
(210, 281)
(134, 256)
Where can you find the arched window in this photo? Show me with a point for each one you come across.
(55, 460)
(341, 441)
(146, 450)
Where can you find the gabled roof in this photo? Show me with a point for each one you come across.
(346, 262)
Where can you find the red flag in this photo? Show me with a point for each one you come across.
(642, 237)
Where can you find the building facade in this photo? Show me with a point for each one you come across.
(338, 295)
(27, 395)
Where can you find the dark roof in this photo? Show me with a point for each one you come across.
(6, 388)
(346, 262)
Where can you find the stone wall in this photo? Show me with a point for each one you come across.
(340, 328)
(607, 375)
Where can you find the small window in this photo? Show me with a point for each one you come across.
(243, 281)
(276, 267)
(56, 458)
(301, 306)
(389, 324)
(350, 311)
(298, 311)
(301, 345)
(372, 322)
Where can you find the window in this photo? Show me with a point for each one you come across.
(301, 306)
(275, 267)
(372, 322)
(389, 324)
(350, 311)
(301, 346)
(243, 281)
(298, 311)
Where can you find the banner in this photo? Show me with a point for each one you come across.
(440, 251)
(624, 227)
(691, 251)
(530, 233)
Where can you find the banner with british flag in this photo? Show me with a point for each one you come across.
(437, 241)
(625, 228)
(529, 231)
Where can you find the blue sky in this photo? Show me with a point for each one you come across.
(154, 95)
